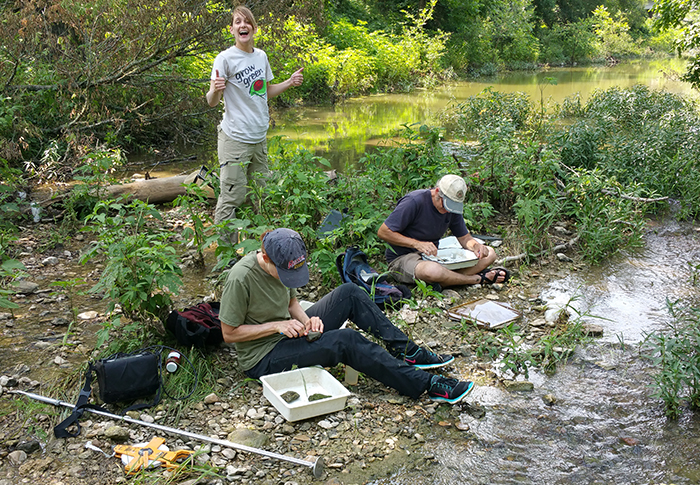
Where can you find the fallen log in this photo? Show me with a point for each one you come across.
(159, 190)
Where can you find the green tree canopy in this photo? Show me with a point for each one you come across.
(686, 15)
(74, 70)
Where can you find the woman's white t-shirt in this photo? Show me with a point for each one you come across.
(246, 115)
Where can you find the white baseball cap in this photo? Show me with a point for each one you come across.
(452, 189)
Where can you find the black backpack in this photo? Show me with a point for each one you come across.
(354, 268)
(197, 326)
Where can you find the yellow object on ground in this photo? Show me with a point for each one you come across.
(150, 455)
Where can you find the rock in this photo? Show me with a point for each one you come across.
(17, 457)
(50, 261)
(538, 322)
(229, 453)
(593, 329)
(88, 315)
(211, 399)
(564, 258)
(35, 466)
(255, 414)
(248, 437)
(462, 426)
(7, 381)
(326, 424)
(117, 433)
(492, 296)
(549, 399)
(519, 386)
(60, 322)
(475, 410)
(5, 316)
(25, 287)
(606, 365)
(58, 360)
(451, 294)
(408, 315)
(629, 441)
(147, 418)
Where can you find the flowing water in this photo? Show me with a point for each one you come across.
(604, 427)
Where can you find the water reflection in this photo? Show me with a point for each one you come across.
(343, 132)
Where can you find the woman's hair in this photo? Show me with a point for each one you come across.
(245, 12)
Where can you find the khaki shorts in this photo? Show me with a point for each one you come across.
(403, 268)
(237, 161)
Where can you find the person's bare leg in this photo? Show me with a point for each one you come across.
(433, 272)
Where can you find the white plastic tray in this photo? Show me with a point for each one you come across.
(452, 255)
(306, 382)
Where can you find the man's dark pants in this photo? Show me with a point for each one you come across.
(347, 346)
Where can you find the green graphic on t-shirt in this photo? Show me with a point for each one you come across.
(259, 87)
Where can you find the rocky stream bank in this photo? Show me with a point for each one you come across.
(377, 434)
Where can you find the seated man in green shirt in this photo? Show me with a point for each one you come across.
(272, 332)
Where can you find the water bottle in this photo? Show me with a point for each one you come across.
(173, 361)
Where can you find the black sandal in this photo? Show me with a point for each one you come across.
(490, 281)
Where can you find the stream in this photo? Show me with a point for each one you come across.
(604, 427)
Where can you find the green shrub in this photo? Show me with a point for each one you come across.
(675, 354)
(489, 107)
(613, 38)
(140, 268)
(568, 43)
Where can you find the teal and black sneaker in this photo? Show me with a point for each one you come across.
(425, 359)
(446, 389)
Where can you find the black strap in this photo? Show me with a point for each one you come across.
(61, 429)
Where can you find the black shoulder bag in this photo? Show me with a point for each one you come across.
(121, 378)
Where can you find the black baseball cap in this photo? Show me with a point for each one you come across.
(287, 251)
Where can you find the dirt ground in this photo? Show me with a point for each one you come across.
(377, 434)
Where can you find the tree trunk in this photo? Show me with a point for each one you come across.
(156, 191)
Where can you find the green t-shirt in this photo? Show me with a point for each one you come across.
(252, 297)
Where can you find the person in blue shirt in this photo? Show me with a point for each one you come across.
(415, 227)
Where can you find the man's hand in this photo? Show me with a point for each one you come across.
(292, 328)
(315, 324)
(426, 247)
(480, 250)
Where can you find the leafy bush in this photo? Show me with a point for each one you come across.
(141, 268)
(675, 354)
(491, 108)
(643, 138)
(568, 43)
(613, 38)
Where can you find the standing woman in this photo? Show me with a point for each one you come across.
(241, 76)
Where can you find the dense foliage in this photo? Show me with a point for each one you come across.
(682, 15)
(131, 74)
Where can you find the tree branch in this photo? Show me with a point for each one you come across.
(518, 257)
